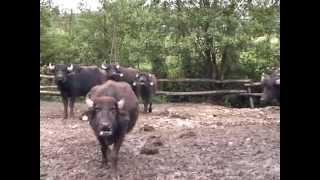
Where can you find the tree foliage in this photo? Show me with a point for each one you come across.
(217, 39)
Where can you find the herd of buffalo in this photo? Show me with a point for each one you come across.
(111, 93)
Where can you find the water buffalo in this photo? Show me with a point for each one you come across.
(113, 112)
(271, 87)
(75, 81)
(146, 84)
(119, 73)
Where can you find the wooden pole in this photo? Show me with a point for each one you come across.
(250, 98)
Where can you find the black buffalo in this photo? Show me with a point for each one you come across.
(146, 85)
(113, 112)
(119, 73)
(75, 81)
(271, 87)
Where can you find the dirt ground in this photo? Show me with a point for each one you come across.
(198, 141)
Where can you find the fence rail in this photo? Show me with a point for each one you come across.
(57, 93)
(207, 80)
(250, 94)
(186, 80)
(169, 93)
(241, 92)
(252, 84)
(46, 76)
(47, 87)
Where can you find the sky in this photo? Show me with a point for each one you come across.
(73, 4)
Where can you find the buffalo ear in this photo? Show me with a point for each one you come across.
(121, 104)
(87, 115)
(70, 68)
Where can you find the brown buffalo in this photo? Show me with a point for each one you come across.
(113, 112)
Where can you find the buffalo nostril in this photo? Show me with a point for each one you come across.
(105, 128)
(105, 131)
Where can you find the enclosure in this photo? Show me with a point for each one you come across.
(208, 56)
(181, 141)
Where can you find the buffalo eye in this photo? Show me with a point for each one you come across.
(114, 109)
(97, 108)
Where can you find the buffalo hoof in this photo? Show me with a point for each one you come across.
(115, 175)
(64, 121)
(104, 164)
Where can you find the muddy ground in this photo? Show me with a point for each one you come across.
(197, 141)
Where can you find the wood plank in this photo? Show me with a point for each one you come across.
(168, 93)
(207, 80)
(50, 92)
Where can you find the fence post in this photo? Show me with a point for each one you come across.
(250, 98)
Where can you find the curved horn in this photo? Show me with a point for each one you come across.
(118, 66)
(70, 68)
(51, 67)
(89, 102)
(103, 66)
(262, 76)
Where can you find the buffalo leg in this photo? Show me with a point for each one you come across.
(115, 153)
(145, 104)
(65, 107)
(105, 153)
(71, 105)
(150, 107)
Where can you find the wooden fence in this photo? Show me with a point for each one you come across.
(45, 90)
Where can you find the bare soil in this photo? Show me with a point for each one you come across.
(175, 141)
